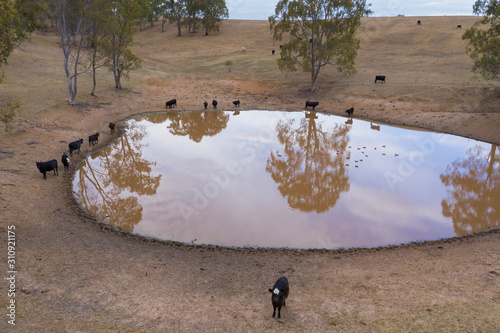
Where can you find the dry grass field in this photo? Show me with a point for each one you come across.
(75, 274)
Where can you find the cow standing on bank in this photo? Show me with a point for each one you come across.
(94, 139)
(75, 145)
(279, 293)
(170, 104)
(43, 167)
(311, 105)
(65, 161)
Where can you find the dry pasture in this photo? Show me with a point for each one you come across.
(75, 274)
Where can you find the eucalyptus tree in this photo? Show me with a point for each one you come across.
(163, 11)
(176, 13)
(18, 19)
(193, 9)
(96, 37)
(213, 12)
(121, 26)
(155, 7)
(318, 33)
(70, 17)
(483, 39)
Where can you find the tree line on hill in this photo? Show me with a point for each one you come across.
(100, 33)
(207, 14)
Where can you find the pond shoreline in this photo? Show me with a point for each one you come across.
(95, 174)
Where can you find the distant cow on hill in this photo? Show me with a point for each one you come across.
(380, 78)
(214, 104)
(350, 111)
(171, 103)
(205, 104)
(236, 103)
(112, 126)
(459, 26)
(419, 23)
(311, 105)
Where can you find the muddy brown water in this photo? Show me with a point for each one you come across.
(290, 179)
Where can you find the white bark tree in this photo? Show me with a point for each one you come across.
(70, 19)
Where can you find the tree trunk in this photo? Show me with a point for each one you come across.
(314, 81)
(72, 79)
(117, 73)
(94, 83)
(314, 75)
(314, 66)
(118, 83)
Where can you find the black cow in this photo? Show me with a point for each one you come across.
(380, 78)
(274, 51)
(65, 161)
(280, 293)
(236, 103)
(459, 26)
(171, 103)
(350, 111)
(214, 103)
(205, 104)
(94, 139)
(75, 145)
(311, 104)
(112, 126)
(43, 167)
(419, 23)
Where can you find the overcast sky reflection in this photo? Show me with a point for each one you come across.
(262, 9)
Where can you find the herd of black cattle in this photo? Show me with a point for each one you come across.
(44, 167)
(51, 165)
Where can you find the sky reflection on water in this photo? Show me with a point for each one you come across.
(294, 179)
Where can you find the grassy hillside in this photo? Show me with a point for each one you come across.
(425, 64)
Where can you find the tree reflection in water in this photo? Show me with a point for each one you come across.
(196, 125)
(103, 186)
(311, 173)
(473, 202)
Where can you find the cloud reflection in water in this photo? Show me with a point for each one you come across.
(296, 179)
